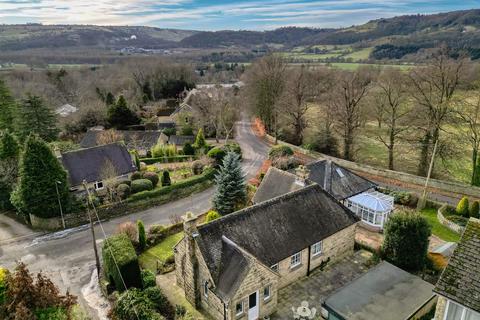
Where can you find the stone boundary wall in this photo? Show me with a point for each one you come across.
(447, 187)
(447, 223)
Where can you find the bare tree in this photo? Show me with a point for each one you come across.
(108, 175)
(433, 89)
(393, 108)
(109, 136)
(294, 104)
(344, 102)
(265, 84)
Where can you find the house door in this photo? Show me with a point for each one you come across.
(253, 310)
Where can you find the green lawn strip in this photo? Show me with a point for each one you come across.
(437, 228)
(163, 250)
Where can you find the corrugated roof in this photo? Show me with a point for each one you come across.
(460, 281)
(384, 292)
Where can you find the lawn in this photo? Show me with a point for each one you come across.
(437, 228)
(362, 54)
(161, 252)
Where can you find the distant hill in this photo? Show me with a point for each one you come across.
(391, 38)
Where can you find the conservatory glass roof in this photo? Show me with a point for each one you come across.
(373, 200)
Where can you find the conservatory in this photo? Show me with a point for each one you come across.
(372, 207)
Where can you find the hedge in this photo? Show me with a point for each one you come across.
(141, 185)
(152, 176)
(118, 251)
(208, 174)
(168, 159)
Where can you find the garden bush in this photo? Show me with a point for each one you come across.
(166, 179)
(217, 154)
(167, 159)
(129, 229)
(162, 305)
(200, 142)
(475, 209)
(285, 163)
(197, 167)
(148, 279)
(188, 149)
(141, 185)
(119, 251)
(462, 207)
(3, 284)
(280, 150)
(233, 147)
(123, 190)
(212, 215)
(136, 176)
(152, 176)
(52, 313)
(406, 240)
(133, 304)
(142, 237)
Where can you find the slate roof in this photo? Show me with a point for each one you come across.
(87, 164)
(275, 229)
(384, 292)
(460, 281)
(276, 183)
(234, 266)
(180, 140)
(143, 140)
(341, 183)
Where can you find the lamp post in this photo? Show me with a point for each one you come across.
(60, 202)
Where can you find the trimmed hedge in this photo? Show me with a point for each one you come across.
(141, 185)
(119, 251)
(152, 176)
(168, 159)
(280, 150)
(208, 174)
(148, 279)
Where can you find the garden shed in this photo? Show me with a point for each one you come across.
(372, 207)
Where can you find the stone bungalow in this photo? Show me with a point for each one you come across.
(458, 288)
(233, 267)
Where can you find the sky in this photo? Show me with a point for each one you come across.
(219, 15)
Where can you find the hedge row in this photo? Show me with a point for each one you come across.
(167, 159)
(207, 175)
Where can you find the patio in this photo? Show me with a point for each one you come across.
(320, 284)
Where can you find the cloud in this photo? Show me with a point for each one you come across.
(247, 14)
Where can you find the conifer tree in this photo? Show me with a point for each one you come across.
(34, 117)
(39, 171)
(7, 108)
(230, 181)
(200, 139)
(120, 116)
(9, 153)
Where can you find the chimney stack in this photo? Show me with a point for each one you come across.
(302, 175)
(191, 285)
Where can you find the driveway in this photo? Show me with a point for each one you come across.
(320, 284)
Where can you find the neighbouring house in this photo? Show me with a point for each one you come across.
(142, 141)
(233, 267)
(179, 141)
(355, 192)
(97, 164)
(384, 292)
(458, 288)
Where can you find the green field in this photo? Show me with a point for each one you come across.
(438, 229)
(362, 54)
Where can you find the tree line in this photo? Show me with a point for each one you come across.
(427, 105)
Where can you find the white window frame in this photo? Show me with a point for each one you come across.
(295, 260)
(464, 310)
(317, 249)
(274, 267)
(205, 289)
(269, 288)
(240, 312)
(96, 185)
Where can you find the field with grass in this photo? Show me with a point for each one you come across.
(438, 229)
(159, 253)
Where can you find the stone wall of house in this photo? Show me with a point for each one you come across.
(288, 274)
(257, 279)
(424, 309)
(335, 247)
(179, 255)
(441, 308)
(210, 303)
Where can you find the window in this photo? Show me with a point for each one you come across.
(317, 249)
(458, 312)
(266, 292)
(295, 260)
(239, 308)
(205, 288)
(274, 267)
(98, 185)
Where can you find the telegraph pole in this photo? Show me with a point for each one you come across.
(97, 259)
(60, 203)
(423, 199)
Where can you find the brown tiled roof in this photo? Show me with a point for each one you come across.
(460, 281)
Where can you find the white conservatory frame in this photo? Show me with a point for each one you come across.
(372, 207)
